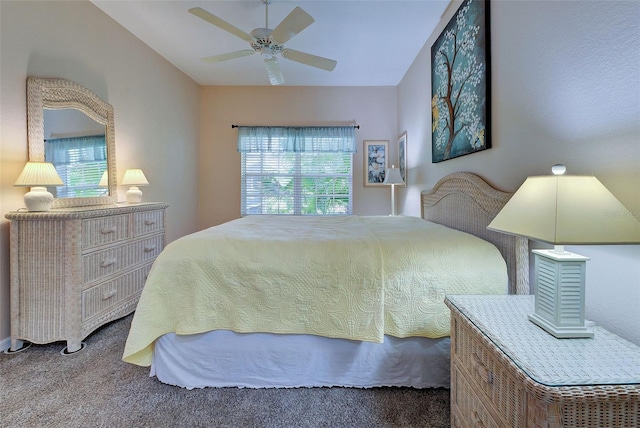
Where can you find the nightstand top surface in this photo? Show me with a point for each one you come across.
(605, 359)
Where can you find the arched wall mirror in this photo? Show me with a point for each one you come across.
(71, 127)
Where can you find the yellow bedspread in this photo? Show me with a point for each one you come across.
(349, 277)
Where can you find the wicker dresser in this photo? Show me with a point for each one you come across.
(75, 269)
(507, 372)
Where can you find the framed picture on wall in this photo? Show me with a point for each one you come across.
(376, 161)
(460, 84)
(402, 157)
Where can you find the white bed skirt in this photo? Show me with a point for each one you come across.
(263, 360)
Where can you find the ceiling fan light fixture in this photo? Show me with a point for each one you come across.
(273, 71)
(266, 52)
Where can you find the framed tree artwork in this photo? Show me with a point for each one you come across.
(460, 84)
(402, 157)
(376, 162)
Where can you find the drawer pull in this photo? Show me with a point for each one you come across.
(149, 248)
(109, 294)
(108, 262)
(149, 222)
(482, 370)
(107, 230)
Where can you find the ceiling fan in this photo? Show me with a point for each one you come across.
(269, 43)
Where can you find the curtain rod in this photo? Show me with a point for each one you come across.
(355, 126)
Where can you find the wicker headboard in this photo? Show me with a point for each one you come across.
(466, 202)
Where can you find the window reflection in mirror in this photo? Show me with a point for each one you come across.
(76, 146)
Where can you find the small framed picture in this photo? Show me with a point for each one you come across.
(376, 161)
(402, 157)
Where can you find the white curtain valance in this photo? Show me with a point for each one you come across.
(314, 139)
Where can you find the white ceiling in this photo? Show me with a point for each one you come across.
(374, 42)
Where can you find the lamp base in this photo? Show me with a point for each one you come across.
(560, 332)
(393, 200)
(134, 195)
(559, 293)
(38, 199)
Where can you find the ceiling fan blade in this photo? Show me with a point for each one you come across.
(230, 55)
(308, 59)
(294, 23)
(273, 70)
(201, 13)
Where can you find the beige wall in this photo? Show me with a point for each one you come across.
(373, 108)
(565, 89)
(156, 106)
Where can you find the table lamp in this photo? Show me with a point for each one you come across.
(393, 177)
(564, 210)
(37, 175)
(104, 180)
(134, 178)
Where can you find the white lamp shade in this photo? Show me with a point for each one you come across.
(392, 176)
(566, 209)
(104, 180)
(134, 177)
(38, 174)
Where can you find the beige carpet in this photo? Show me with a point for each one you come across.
(94, 388)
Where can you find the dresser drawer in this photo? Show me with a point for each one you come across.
(100, 264)
(148, 222)
(468, 410)
(104, 230)
(489, 376)
(100, 298)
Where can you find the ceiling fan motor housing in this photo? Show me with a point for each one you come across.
(262, 41)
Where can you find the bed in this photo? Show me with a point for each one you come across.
(355, 301)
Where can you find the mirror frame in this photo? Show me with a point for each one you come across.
(58, 94)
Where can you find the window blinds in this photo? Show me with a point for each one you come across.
(296, 171)
(80, 162)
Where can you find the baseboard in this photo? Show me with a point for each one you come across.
(5, 344)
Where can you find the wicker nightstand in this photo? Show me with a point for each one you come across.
(507, 372)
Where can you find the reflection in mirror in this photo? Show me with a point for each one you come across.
(75, 144)
(60, 100)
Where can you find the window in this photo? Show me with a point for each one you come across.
(80, 162)
(296, 171)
